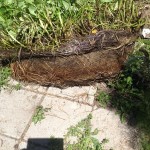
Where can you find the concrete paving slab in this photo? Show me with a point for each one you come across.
(16, 109)
(73, 91)
(7, 143)
(35, 88)
(28, 86)
(66, 107)
(120, 135)
(84, 94)
(62, 115)
(77, 91)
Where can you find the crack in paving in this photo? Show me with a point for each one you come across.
(73, 99)
(44, 94)
(8, 136)
(16, 146)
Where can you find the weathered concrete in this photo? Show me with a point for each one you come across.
(66, 107)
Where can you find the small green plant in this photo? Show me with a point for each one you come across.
(39, 114)
(5, 73)
(103, 98)
(4, 77)
(17, 86)
(81, 137)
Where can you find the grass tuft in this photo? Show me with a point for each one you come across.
(40, 25)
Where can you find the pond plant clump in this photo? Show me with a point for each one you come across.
(66, 42)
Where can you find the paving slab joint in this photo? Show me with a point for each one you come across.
(16, 146)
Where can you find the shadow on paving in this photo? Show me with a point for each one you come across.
(44, 144)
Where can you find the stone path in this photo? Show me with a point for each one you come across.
(67, 107)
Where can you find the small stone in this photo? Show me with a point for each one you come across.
(146, 33)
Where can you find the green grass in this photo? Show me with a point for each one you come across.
(40, 25)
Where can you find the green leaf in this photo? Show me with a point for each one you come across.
(73, 1)
(38, 2)
(21, 19)
(39, 114)
(2, 19)
(60, 19)
(106, 1)
(12, 34)
(32, 10)
(21, 5)
(66, 5)
(95, 132)
(129, 80)
(2, 10)
(8, 2)
(29, 1)
(146, 41)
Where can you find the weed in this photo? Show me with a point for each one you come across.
(39, 114)
(5, 73)
(17, 87)
(81, 136)
(4, 77)
(103, 98)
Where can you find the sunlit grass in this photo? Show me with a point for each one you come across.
(45, 24)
